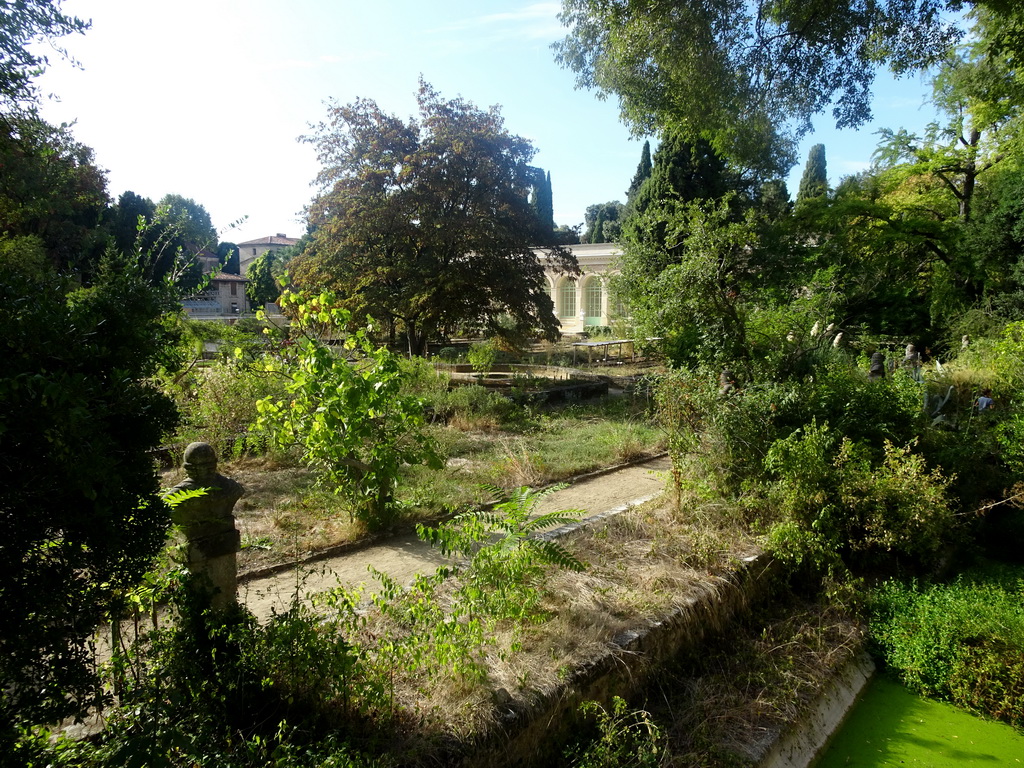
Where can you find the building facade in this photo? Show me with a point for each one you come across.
(584, 303)
(251, 250)
(223, 299)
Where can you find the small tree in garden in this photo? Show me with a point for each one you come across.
(348, 417)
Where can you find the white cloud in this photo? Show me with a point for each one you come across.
(534, 22)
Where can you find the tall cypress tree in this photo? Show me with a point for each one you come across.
(643, 172)
(598, 234)
(546, 205)
(814, 182)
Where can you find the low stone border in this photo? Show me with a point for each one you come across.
(808, 739)
(351, 547)
(531, 732)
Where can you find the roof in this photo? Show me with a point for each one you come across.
(225, 277)
(277, 239)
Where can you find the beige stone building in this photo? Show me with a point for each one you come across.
(251, 250)
(223, 299)
(584, 302)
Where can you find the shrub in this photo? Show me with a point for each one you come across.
(963, 642)
(483, 355)
(219, 406)
(829, 500)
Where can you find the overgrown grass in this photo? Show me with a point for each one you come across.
(286, 514)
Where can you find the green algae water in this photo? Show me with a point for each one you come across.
(890, 726)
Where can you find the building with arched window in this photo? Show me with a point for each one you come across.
(583, 302)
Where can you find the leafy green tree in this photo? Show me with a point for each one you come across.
(348, 417)
(190, 221)
(814, 182)
(263, 286)
(688, 278)
(21, 24)
(643, 172)
(51, 189)
(601, 219)
(747, 77)
(427, 223)
(79, 501)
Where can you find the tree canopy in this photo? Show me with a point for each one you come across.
(22, 23)
(814, 182)
(747, 76)
(426, 223)
(79, 501)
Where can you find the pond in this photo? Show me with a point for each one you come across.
(891, 726)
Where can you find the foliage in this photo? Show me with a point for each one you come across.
(603, 222)
(831, 502)
(51, 189)
(482, 355)
(218, 405)
(684, 266)
(349, 418)
(426, 223)
(79, 505)
(963, 642)
(627, 738)
(505, 570)
(814, 182)
(24, 23)
(542, 201)
(263, 286)
(223, 689)
(190, 220)
(746, 76)
(643, 171)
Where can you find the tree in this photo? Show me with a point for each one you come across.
(643, 172)
(22, 23)
(350, 417)
(50, 188)
(541, 201)
(427, 223)
(263, 287)
(814, 182)
(79, 503)
(228, 255)
(190, 221)
(747, 77)
(682, 172)
(603, 222)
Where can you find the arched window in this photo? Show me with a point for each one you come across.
(592, 296)
(567, 299)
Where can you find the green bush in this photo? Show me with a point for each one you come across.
(829, 500)
(483, 355)
(218, 405)
(962, 642)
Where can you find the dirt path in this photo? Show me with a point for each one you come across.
(405, 556)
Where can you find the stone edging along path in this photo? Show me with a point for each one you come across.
(402, 556)
(351, 547)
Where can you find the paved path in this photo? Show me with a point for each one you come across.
(405, 556)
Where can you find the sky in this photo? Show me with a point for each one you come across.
(208, 98)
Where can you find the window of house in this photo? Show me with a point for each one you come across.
(592, 296)
(567, 299)
(234, 289)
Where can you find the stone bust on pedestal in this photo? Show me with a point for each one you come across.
(208, 523)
